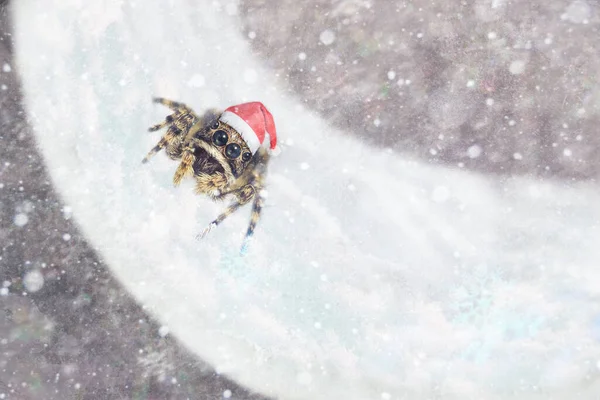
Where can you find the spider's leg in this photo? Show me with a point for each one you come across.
(259, 173)
(173, 132)
(173, 105)
(179, 112)
(254, 217)
(228, 211)
(161, 125)
(185, 166)
(244, 195)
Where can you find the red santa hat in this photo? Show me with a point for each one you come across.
(254, 122)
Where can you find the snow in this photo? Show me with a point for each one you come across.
(474, 151)
(450, 108)
(67, 212)
(197, 80)
(304, 378)
(577, 12)
(327, 37)
(21, 219)
(33, 281)
(231, 9)
(517, 67)
(490, 10)
(250, 76)
(440, 194)
(423, 294)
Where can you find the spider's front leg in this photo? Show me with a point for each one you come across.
(258, 178)
(255, 178)
(185, 166)
(243, 196)
(179, 123)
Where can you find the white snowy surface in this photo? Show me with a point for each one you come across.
(370, 276)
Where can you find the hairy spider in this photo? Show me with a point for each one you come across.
(224, 152)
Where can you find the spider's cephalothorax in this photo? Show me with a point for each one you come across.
(224, 152)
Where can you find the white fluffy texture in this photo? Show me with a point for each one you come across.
(492, 292)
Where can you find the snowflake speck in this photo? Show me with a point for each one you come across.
(327, 37)
(33, 281)
(163, 331)
(21, 219)
(474, 151)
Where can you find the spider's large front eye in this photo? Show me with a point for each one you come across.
(233, 150)
(246, 156)
(220, 138)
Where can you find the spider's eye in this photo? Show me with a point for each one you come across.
(220, 138)
(246, 156)
(215, 124)
(233, 150)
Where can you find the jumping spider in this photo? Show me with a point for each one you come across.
(223, 151)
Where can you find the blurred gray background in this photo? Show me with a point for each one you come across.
(502, 89)
(487, 85)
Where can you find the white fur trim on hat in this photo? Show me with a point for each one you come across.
(242, 128)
